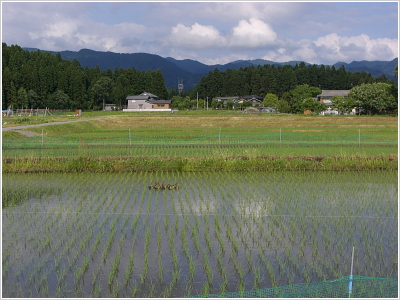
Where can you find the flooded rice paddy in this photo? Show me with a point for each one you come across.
(109, 235)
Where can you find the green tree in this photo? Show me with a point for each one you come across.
(283, 107)
(302, 74)
(230, 104)
(270, 100)
(214, 103)
(374, 98)
(182, 103)
(13, 102)
(158, 85)
(256, 82)
(229, 87)
(102, 89)
(285, 80)
(313, 105)
(341, 79)
(6, 88)
(77, 88)
(302, 93)
(343, 105)
(118, 94)
(288, 99)
(22, 98)
(395, 91)
(33, 99)
(216, 83)
(59, 100)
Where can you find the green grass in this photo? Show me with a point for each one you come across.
(151, 163)
(204, 136)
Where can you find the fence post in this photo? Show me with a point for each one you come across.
(351, 274)
(280, 136)
(359, 137)
(130, 139)
(42, 137)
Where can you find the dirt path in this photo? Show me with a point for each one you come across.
(30, 134)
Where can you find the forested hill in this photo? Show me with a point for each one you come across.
(140, 61)
(36, 79)
(268, 79)
(40, 79)
(190, 71)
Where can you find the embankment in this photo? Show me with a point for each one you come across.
(231, 163)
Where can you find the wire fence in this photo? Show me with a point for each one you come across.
(216, 139)
(344, 287)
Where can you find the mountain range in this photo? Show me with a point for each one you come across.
(190, 71)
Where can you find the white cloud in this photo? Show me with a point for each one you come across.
(252, 33)
(247, 34)
(357, 47)
(333, 48)
(208, 32)
(58, 32)
(195, 37)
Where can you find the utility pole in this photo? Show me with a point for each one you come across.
(197, 100)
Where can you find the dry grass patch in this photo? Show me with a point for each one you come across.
(245, 121)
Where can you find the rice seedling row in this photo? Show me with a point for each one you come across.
(108, 235)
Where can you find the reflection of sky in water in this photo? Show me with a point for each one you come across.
(256, 206)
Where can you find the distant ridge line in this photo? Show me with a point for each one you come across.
(191, 71)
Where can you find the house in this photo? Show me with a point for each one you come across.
(147, 102)
(253, 98)
(328, 94)
(110, 107)
(326, 97)
(225, 100)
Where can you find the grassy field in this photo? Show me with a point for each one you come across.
(216, 136)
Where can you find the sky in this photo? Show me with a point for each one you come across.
(210, 32)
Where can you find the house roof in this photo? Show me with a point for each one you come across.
(137, 97)
(148, 94)
(331, 93)
(252, 97)
(227, 98)
(142, 96)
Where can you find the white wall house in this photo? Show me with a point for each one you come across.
(147, 102)
(326, 96)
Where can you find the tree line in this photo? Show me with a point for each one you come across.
(367, 98)
(42, 80)
(293, 89)
(278, 80)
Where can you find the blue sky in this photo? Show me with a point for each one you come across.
(210, 32)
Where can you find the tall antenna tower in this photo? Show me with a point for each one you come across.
(180, 85)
